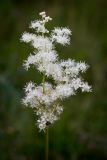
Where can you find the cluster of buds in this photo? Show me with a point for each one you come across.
(39, 25)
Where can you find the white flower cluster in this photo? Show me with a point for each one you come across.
(45, 99)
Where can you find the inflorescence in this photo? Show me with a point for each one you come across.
(46, 98)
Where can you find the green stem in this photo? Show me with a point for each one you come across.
(47, 144)
(46, 131)
(43, 83)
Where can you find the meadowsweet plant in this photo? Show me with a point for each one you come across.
(46, 98)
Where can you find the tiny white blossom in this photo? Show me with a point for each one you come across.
(42, 43)
(42, 13)
(48, 19)
(61, 35)
(39, 26)
(29, 61)
(27, 37)
(29, 87)
(64, 90)
(40, 58)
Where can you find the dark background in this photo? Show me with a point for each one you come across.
(81, 132)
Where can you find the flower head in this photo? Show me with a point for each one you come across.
(45, 98)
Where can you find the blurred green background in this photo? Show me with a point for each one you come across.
(81, 132)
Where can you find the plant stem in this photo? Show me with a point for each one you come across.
(43, 83)
(47, 144)
(46, 130)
